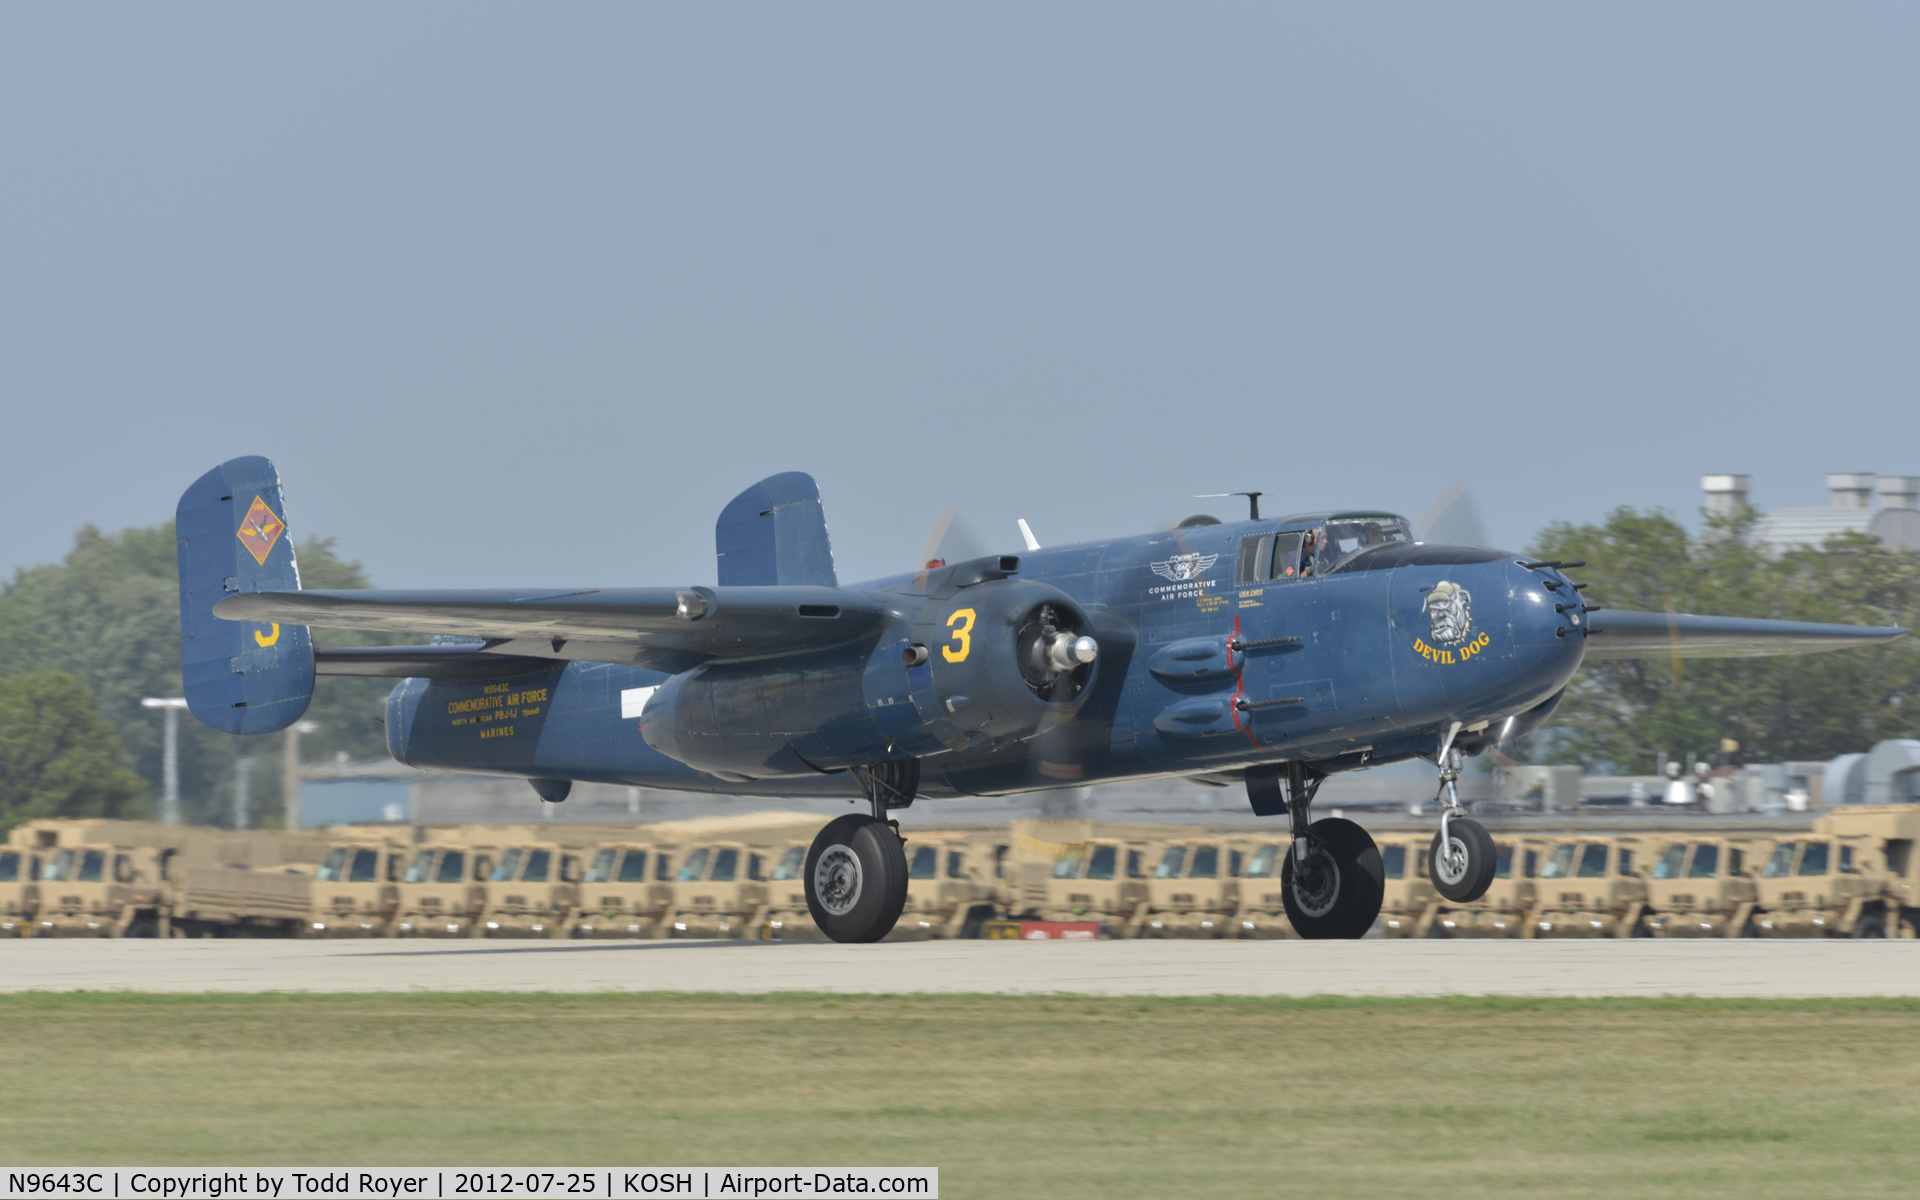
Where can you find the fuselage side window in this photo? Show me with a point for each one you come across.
(1255, 552)
(1286, 557)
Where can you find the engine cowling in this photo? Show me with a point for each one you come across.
(997, 660)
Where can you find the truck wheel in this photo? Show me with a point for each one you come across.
(856, 879)
(1336, 892)
(1871, 925)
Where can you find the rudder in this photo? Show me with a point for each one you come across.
(231, 527)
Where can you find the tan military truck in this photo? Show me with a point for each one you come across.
(137, 879)
(951, 885)
(1589, 887)
(356, 890)
(1893, 829)
(1101, 879)
(1825, 885)
(533, 892)
(1408, 903)
(444, 889)
(19, 889)
(626, 892)
(1194, 890)
(1505, 910)
(787, 918)
(1701, 886)
(719, 891)
(1262, 911)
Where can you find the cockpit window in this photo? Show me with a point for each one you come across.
(1341, 540)
(1286, 556)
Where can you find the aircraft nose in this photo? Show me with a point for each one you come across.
(1549, 627)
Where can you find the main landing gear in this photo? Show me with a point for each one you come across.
(1462, 859)
(1332, 881)
(856, 873)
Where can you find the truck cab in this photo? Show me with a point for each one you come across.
(626, 892)
(1589, 887)
(1820, 886)
(1101, 879)
(1408, 903)
(950, 885)
(355, 890)
(532, 892)
(1193, 891)
(19, 889)
(719, 890)
(1700, 887)
(443, 890)
(1502, 912)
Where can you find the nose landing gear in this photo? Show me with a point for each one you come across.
(856, 872)
(1462, 859)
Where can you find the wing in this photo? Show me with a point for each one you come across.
(666, 629)
(1621, 634)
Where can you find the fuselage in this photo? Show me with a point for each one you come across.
(1329, 637)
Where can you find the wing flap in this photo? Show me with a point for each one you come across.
(671, 628)
(1620, 635)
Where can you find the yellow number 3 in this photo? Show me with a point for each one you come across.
(963, 641)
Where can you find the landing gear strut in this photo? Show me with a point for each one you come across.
(1462, 859)
(1332, 881)
(856, 873)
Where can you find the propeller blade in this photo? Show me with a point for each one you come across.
(1453, 519)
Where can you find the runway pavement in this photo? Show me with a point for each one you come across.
(1115, 968)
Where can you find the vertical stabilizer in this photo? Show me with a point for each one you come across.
(240, 677)
(775, 532)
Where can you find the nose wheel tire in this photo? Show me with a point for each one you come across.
(1462, 870)
(1335, 892)
(856, 879)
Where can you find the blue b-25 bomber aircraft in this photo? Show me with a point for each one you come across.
(1269, 653)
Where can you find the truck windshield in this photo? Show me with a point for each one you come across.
(1593, 862)
(1206, 863)
(366, 867)
(1559, 863)
(1705, 864)
(1503, 862)
(1100, 863)
(790, 863)
(602, 868)
(1067, 866)
(509, 863)
(1393, 861)
(453, 867)
(1781, 864)
(93, 862)
(9, 867)
(537, 864)
(633, 868)
(1171, 862)
(695, 866)
(59, 867)
(1814, 861)
(1260, 866)
(421, 869)
(333, 868)
(926, 863)
(1669, 865)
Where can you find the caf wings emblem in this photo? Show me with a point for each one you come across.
(1183, 567)
(1450, 612)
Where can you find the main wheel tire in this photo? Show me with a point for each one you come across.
(1475, 855)
(1337, 893)
(856, 879)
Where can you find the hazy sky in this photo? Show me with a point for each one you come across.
(523, 295)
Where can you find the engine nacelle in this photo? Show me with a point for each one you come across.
(997, 660)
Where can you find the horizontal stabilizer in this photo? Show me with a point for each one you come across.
(666, 629)
(254, 676)
(1619, 634)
